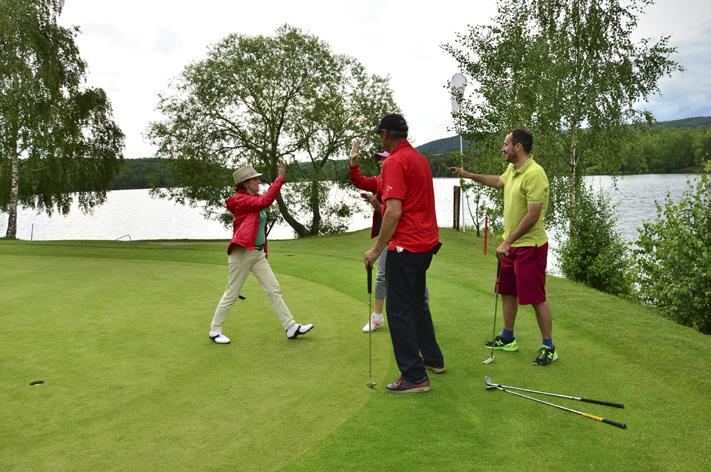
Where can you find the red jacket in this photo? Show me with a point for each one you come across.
(372, 185)
(245, 208)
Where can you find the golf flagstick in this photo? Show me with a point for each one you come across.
(371, 381)
(489, 386)
(559, 395)
(491, 357)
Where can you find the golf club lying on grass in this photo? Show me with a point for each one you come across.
(371, 381)
(490, 385)
(491, 357)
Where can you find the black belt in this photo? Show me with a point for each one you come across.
(259, 248)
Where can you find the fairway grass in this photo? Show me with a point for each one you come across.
(118, 333)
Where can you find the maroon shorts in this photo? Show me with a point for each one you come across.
(523, 274)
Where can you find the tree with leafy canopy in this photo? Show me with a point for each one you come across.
(569, 71)
(259, 99)
(58, 140)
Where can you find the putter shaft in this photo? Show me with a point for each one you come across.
(491, 357)
(371, 381)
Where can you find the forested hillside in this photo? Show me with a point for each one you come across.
(667, 147)
(144, 173)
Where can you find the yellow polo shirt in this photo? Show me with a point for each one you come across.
(528, 184)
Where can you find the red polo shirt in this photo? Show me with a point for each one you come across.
(407, 177)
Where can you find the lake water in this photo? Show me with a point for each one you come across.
(134, 214)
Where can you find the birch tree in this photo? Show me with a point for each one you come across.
(570, 71)
(58, 140)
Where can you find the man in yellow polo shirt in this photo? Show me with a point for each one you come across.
(524, 252)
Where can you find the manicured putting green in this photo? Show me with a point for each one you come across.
(117, 332)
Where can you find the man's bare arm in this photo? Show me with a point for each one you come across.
(532, 216)
(488, 180)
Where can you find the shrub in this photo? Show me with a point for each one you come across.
(593, 251)
(673, 259)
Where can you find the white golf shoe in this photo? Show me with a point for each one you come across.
(296, 330)
(219, 338)
(376, 320)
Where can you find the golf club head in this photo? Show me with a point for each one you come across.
(371, 383)
(488, 360)
(489, 382)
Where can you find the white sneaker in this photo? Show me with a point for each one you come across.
(375, 321)
(295, 330)
(219, 338)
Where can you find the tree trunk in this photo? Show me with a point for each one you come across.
(474, 216)
(573, 175)
(575, 180)
(12, 203)
(316, 221)
(477, 221)
(573, 166)
(300, 229)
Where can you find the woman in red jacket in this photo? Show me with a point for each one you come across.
(247, 252)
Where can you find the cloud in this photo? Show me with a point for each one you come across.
(686, 93)
(166, 42)
(110, 34)
(135, 48)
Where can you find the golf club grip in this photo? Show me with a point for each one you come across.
(370, 280)
(600, 402)
(614, 423)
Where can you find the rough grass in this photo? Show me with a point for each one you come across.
(118, 333)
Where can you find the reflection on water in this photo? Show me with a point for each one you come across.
(135, 213)
(635, 196)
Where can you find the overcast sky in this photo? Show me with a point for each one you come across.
(134, 48)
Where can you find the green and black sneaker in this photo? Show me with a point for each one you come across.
(500, 344)
(546, 355)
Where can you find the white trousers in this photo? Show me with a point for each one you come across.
(239, 264)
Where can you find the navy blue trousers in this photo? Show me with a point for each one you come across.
(409, 317)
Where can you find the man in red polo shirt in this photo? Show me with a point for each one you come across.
(409, 232)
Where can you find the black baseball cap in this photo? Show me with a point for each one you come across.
(392, 122)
